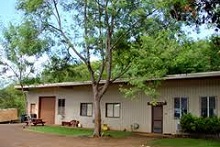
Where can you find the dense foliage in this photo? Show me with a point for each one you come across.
(200, 125)
(11, 98)
(176, 58)
(196, 56)
(195, 11)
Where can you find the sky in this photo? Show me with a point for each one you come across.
(8, 12)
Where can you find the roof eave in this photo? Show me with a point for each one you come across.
(86, 83)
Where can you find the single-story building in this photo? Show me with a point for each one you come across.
(196, 93)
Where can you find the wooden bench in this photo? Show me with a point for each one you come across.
(72, 123)
(38, 121)
(35, 122)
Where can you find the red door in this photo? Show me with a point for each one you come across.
(47, 109)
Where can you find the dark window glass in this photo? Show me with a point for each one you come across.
(211, 106)
(204, 112)
(180, 106)
(208, 107)
(86, 109)
(61, 106)
(184, 106)
(177, 107)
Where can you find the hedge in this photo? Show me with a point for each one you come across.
(200, 125)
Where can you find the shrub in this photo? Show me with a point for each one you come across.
(187, 123)
(200, 125)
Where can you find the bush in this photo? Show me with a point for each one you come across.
(200, 125)
(187, 123)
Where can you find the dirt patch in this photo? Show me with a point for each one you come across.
(15, 136)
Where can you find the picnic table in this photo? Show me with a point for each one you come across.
(72, 123)
(35, 121)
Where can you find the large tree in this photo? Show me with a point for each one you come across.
(22, 47)
(104, 29)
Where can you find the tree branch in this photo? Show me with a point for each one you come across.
(108, 51)
(63, 34)
(123, 71)
(58, 14)
(127, 31)
(88, 63)
(101, 70)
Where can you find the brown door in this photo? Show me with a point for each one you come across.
(47, 109)
(157, 119)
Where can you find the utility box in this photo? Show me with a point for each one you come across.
(8, 115)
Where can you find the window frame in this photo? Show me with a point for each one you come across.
(208, 106)
(86, 115)
(33, 108)
(61, 106)
(113, 113)
(180, 106)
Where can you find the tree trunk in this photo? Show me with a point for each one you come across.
(97, 113)
(26, 105)
(25, 99)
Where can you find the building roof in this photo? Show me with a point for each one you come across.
(168, 77)
(193, 75)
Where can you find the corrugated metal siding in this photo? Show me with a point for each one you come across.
(193, 89)
(133, 111)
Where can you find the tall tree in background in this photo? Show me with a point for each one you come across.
(155, 55)
(104, 29)
(21, 49)
(196, 11)
(62, 71)
(12, 98)
(196, 56)
(214, 53)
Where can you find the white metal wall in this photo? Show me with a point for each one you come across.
(132, 111)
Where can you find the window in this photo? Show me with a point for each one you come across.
(113, 110)
(208, 106)
(180, 106)
(61, 106)
(86, 109)
(32, 108)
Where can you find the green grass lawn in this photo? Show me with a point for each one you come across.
(68, 131)
(184, 142)
(166, 142)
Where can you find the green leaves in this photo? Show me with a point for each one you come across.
(200, 125)
(154, 54)
(22, 46)
(195, 56)
(29, 5)
(25, 38)
(193, 12)
(11, 98)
